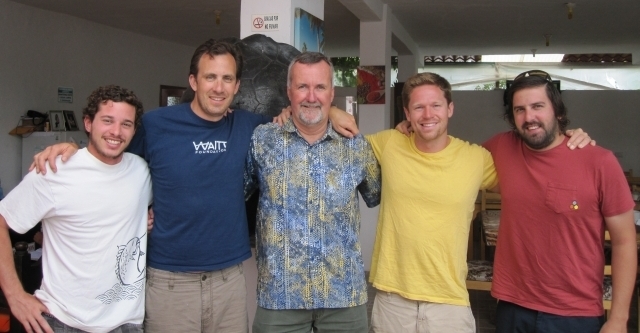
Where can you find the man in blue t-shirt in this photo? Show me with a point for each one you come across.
(196, 155)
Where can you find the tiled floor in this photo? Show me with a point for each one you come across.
(483, 307)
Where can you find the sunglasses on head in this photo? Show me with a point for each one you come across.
(535, 72)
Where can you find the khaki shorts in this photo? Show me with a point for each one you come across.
(196, 302)
(393, 313)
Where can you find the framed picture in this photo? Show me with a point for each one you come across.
(70, 120)
(56, 119)
(171, 95)
(370, 86)
(308, 32)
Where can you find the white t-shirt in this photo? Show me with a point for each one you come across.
(95, 238)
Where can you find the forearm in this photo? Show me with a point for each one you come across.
(9, 281)
(25, 307)
(623, 274)
(342, 122)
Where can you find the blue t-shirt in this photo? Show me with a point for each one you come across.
(197, 169)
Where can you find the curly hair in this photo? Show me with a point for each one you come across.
(115, 94)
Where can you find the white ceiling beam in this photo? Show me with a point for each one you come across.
(402, 43)
(365, 10)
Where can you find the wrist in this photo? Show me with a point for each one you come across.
(13, 294)
(619, 317)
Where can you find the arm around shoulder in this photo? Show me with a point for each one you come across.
(343, 123)
(49, 154)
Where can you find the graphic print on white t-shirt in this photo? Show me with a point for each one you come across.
(130, 270)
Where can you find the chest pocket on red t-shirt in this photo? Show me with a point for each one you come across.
(561, 198)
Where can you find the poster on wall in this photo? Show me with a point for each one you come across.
(265, 23)
(370, 87)
(65, 95)
(308, 33)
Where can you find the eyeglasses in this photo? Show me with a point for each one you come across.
(535, 72)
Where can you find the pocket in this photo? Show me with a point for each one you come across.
(561, 198)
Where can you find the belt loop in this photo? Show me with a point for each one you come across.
(172, 278)
(241, 268)
(224, 272)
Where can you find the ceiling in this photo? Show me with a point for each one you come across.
(438, 27)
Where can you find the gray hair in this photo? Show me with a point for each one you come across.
(309, 58)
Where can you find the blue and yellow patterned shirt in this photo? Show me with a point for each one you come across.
(308, 219)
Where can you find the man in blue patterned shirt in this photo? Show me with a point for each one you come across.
(310, 269)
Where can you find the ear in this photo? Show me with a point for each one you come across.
(450, 113)
(289, 93)
(237, 87)
(193, 82)
(87, 124)
(406, 113)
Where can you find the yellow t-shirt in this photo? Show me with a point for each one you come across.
(425, 214)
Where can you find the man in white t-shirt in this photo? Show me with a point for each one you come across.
(94, 213)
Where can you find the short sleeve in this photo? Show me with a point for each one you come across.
(28, 203)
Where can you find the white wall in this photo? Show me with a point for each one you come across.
(612, 118)
(42, 50)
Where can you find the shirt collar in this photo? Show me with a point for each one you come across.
(329, 134)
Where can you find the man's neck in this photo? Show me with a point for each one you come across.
(433, 146)
(102, 158)
(312, 133)
(197, 110)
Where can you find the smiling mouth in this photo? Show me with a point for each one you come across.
(428, 125)
(217, 98)
(531, 127)
(310, 106)
(113, 142)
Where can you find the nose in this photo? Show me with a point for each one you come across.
(427, 113)
(311, 96)
(217, 86)
(529, 114)
(115, 129)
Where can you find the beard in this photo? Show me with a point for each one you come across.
(310, 114)
(100, 150)
(539, 141)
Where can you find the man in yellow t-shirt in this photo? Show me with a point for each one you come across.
(430, 182)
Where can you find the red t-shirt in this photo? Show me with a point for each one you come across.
(549, 255)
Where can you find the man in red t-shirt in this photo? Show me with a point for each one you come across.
(548, 268)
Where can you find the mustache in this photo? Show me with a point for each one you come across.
(529, 123)
(311, 105)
